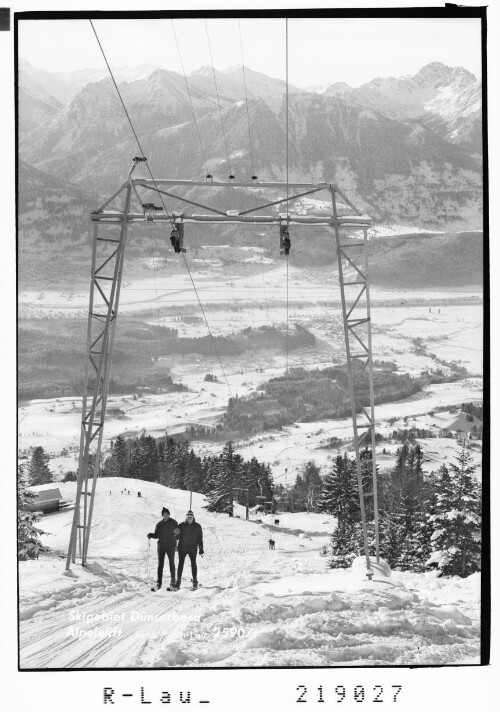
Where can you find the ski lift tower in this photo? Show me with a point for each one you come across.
(133, 203)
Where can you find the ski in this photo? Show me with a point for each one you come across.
(172, 588)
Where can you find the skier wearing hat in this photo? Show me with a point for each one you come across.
(190, 542)
(165, 531)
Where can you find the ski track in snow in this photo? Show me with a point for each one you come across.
(256, 607)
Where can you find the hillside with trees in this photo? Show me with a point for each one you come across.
(52, 354)
(304, 396)
(225, 478)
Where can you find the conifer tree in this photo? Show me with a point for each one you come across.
(313, 486)
(346, 541)
(424, 528)
(298, 495)
(307, 488)
(266, 482)
(339, 495)
(249, 481)
(256, 477)
(342, 546)
(29, 545)
(178, 466)
(136, 461)
(456, 540)
(149, 465)
(327, 501)
(399, 469)
(221, 496)
(39, 472)
(409, 557)
(358, 539)
(120, 456)
(402, 510)
(210, 473)
(193, 474)
(390, 531)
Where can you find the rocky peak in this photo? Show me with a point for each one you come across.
(437, 74)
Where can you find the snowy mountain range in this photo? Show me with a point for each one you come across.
(446, 100)
(405, 149)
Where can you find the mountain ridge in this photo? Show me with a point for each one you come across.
(397, 170)
(438, 96)
(378, 159)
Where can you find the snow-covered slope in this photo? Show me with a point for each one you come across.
(256, 607)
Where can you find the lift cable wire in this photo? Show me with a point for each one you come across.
(208, 327)
(165, 208)
(253, 168)
(287, 220)
(287, 134)
(154, 253)
(218, 98)
(130, 121)
(246, 99)
(190, 98)
(224, 135)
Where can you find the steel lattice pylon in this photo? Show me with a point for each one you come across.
(356, 317)
(106, 275)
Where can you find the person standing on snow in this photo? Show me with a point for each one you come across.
(165, 531)
(190, 541)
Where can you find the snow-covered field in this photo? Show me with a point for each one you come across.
(220, 284)
(449, 330)
(55, 423)
(256, 607)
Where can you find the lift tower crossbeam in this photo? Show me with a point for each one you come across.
(104, 302)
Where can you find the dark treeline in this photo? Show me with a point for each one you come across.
(52, 354)
(304, 396)
(225, 478)
(150, 382)
(404, 434)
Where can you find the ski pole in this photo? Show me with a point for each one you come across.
(148, 557)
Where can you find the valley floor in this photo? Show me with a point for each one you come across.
(55, 424)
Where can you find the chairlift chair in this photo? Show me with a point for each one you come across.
(285, 242)
(177, 234)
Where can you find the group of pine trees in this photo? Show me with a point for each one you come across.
(424, 522)
(225, 478)
(432, 521)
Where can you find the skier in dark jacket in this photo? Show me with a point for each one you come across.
(190, 541)
(165, 531)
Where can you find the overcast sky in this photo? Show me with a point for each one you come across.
(320, 50)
